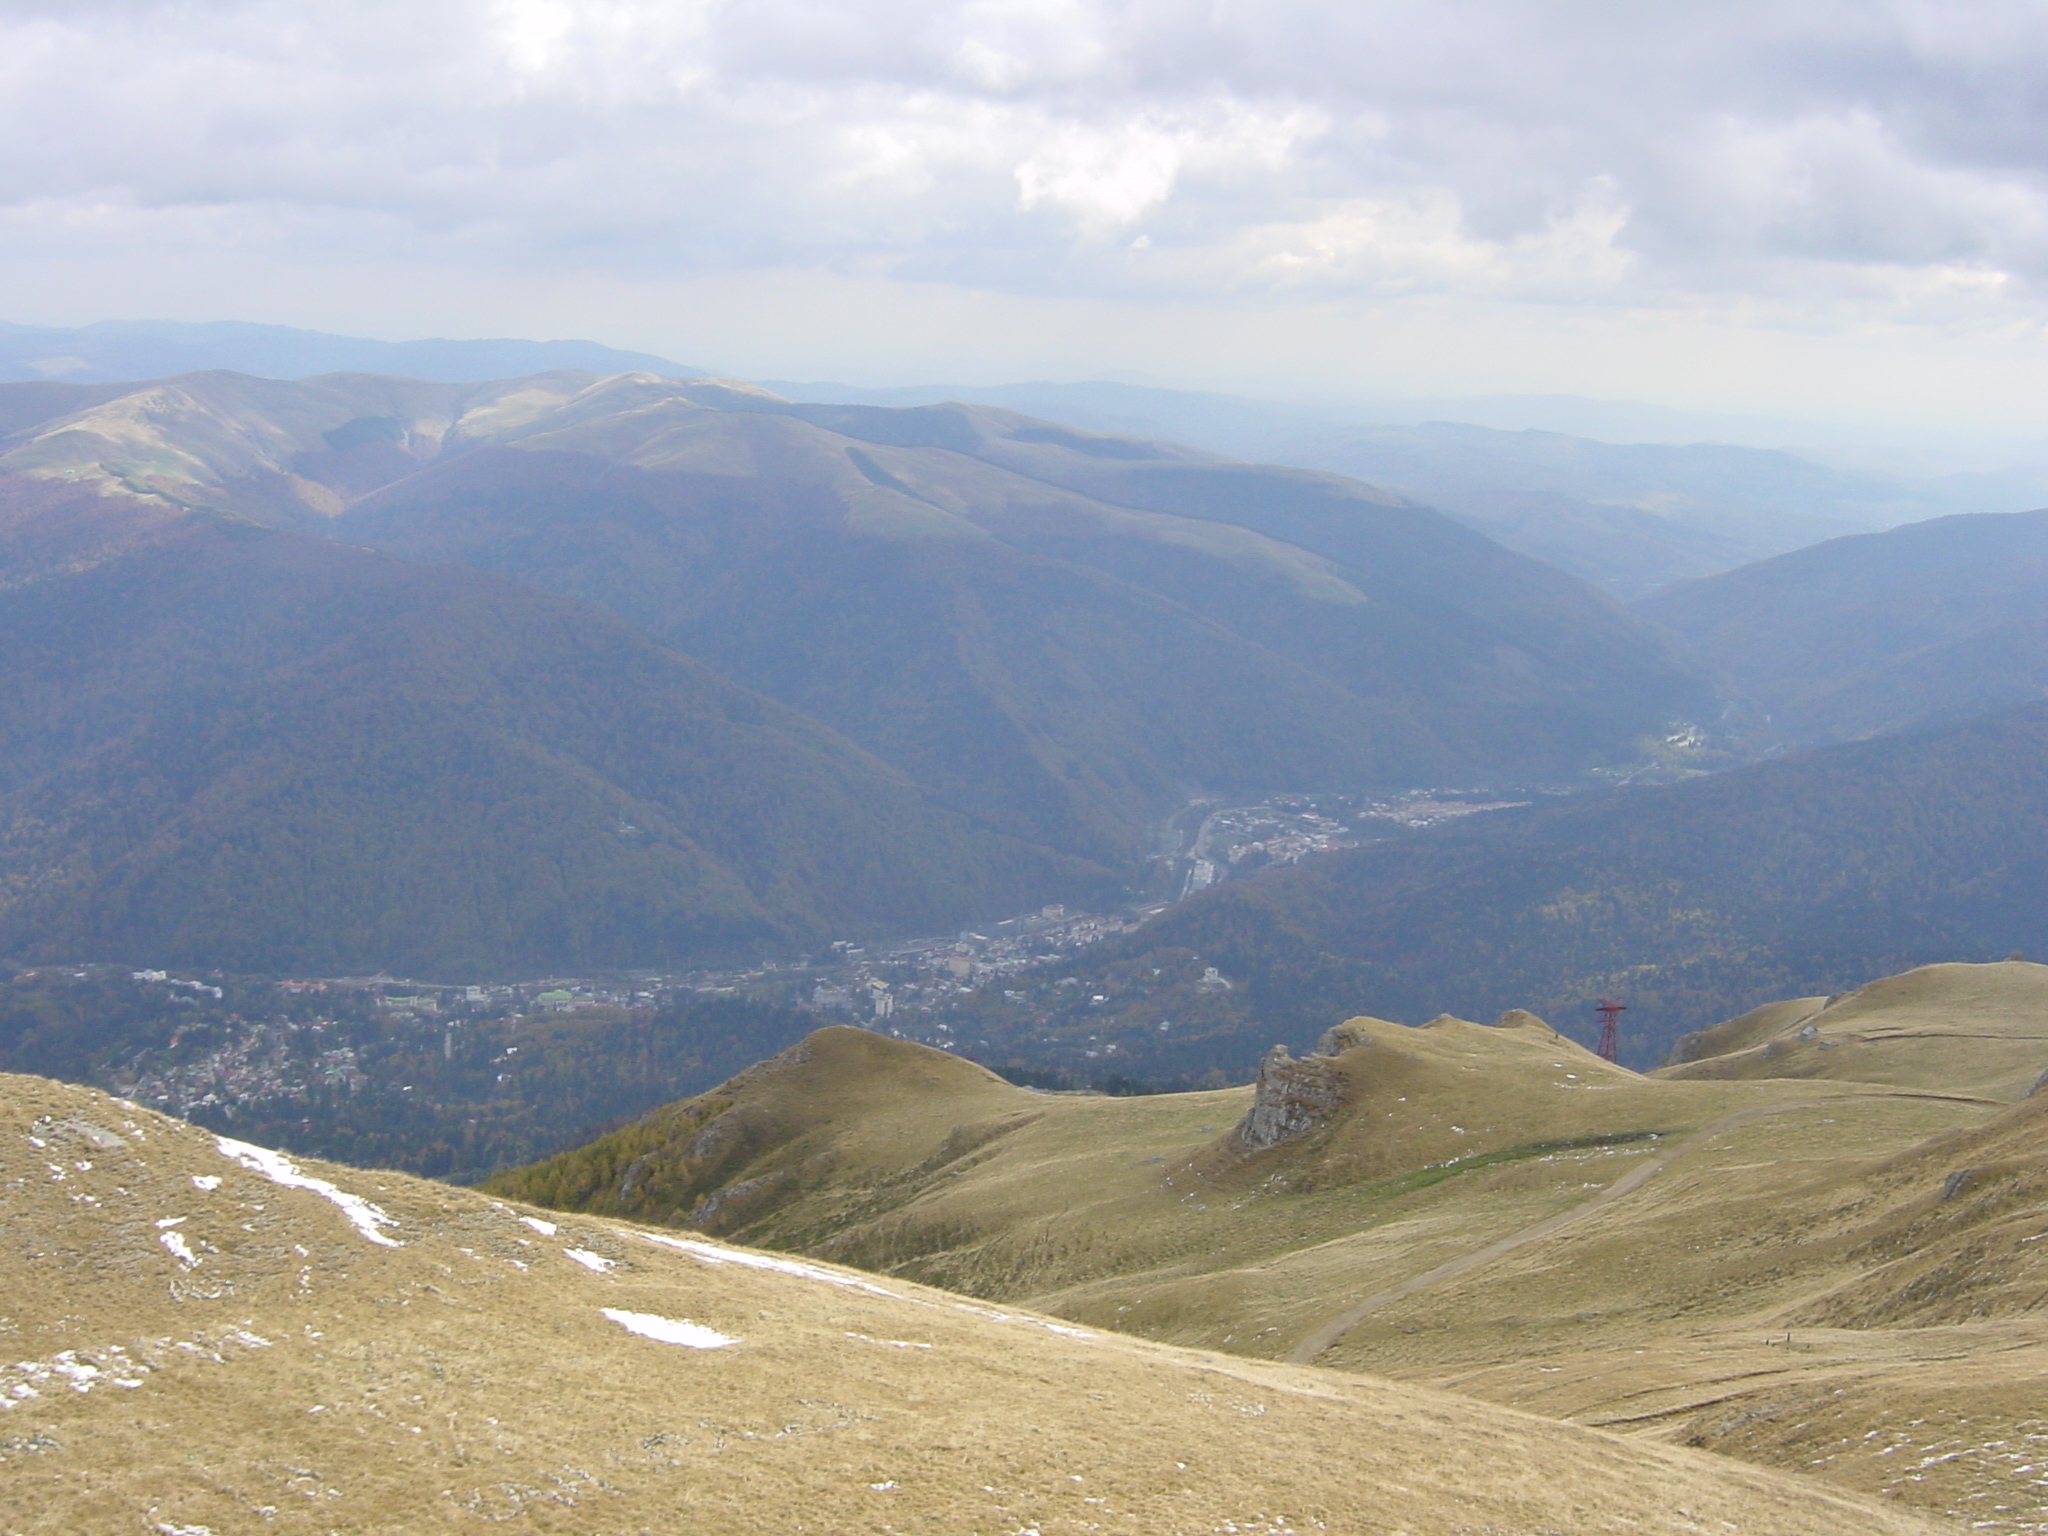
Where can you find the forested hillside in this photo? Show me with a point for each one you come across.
(1935, 621)
(1060, 634)
(233, 746)
(1694, 902)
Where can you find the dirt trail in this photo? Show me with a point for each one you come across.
(1312, 1347)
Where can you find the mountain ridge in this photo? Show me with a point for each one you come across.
(1064, 635)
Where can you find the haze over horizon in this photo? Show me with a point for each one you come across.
(1821, 210)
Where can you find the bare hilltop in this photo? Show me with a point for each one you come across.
(1816, 1245)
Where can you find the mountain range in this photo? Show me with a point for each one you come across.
(246, 747)
(1010, 649)
(764, 673)
(1855, 637)
(1627, 498)
(125, 350)
(1627, 502)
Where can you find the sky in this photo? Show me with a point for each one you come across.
(1834, 209)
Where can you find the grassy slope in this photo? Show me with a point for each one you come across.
(1801, 1203)
(191, 1345)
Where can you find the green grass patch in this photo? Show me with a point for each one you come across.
(1436, 1173)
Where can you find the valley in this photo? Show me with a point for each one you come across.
(1389, 879)
(1020, 880)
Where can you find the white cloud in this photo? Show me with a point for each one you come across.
(1804, 162)
(1423, 244)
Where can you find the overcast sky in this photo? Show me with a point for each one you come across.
(1838, 208)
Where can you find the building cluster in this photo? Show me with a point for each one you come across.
(870, 984)
(245, 1049)
(1277, 832)
(1426, 810)
(266, 1059)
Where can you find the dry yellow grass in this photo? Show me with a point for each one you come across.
(201, 1339)
(1958, 1028)
(1439, 1225)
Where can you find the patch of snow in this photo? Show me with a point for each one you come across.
(711, 1254)
(544, 1228)
(79, 1370)
(206, 1181)
(596, 1263)
(279, 1169)
(1037, 1322)
(179, 1248)
(892, 1343)
(669, 1330)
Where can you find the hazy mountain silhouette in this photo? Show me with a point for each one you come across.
(237, 746)
(147, 349)
(1062, 634)
(1859, 636)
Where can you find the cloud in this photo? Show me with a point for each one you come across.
(1824, 161)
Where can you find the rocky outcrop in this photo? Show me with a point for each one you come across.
(1339, 1038)
(723, 1207)
(1291, 1099)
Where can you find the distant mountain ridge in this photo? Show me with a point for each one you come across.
(244, 747)
(1060, 634)
(1627, 500)
(151, 349)
(1934, 622)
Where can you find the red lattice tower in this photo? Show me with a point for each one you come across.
(1611, 1010)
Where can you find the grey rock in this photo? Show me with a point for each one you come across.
(1291, 1098)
